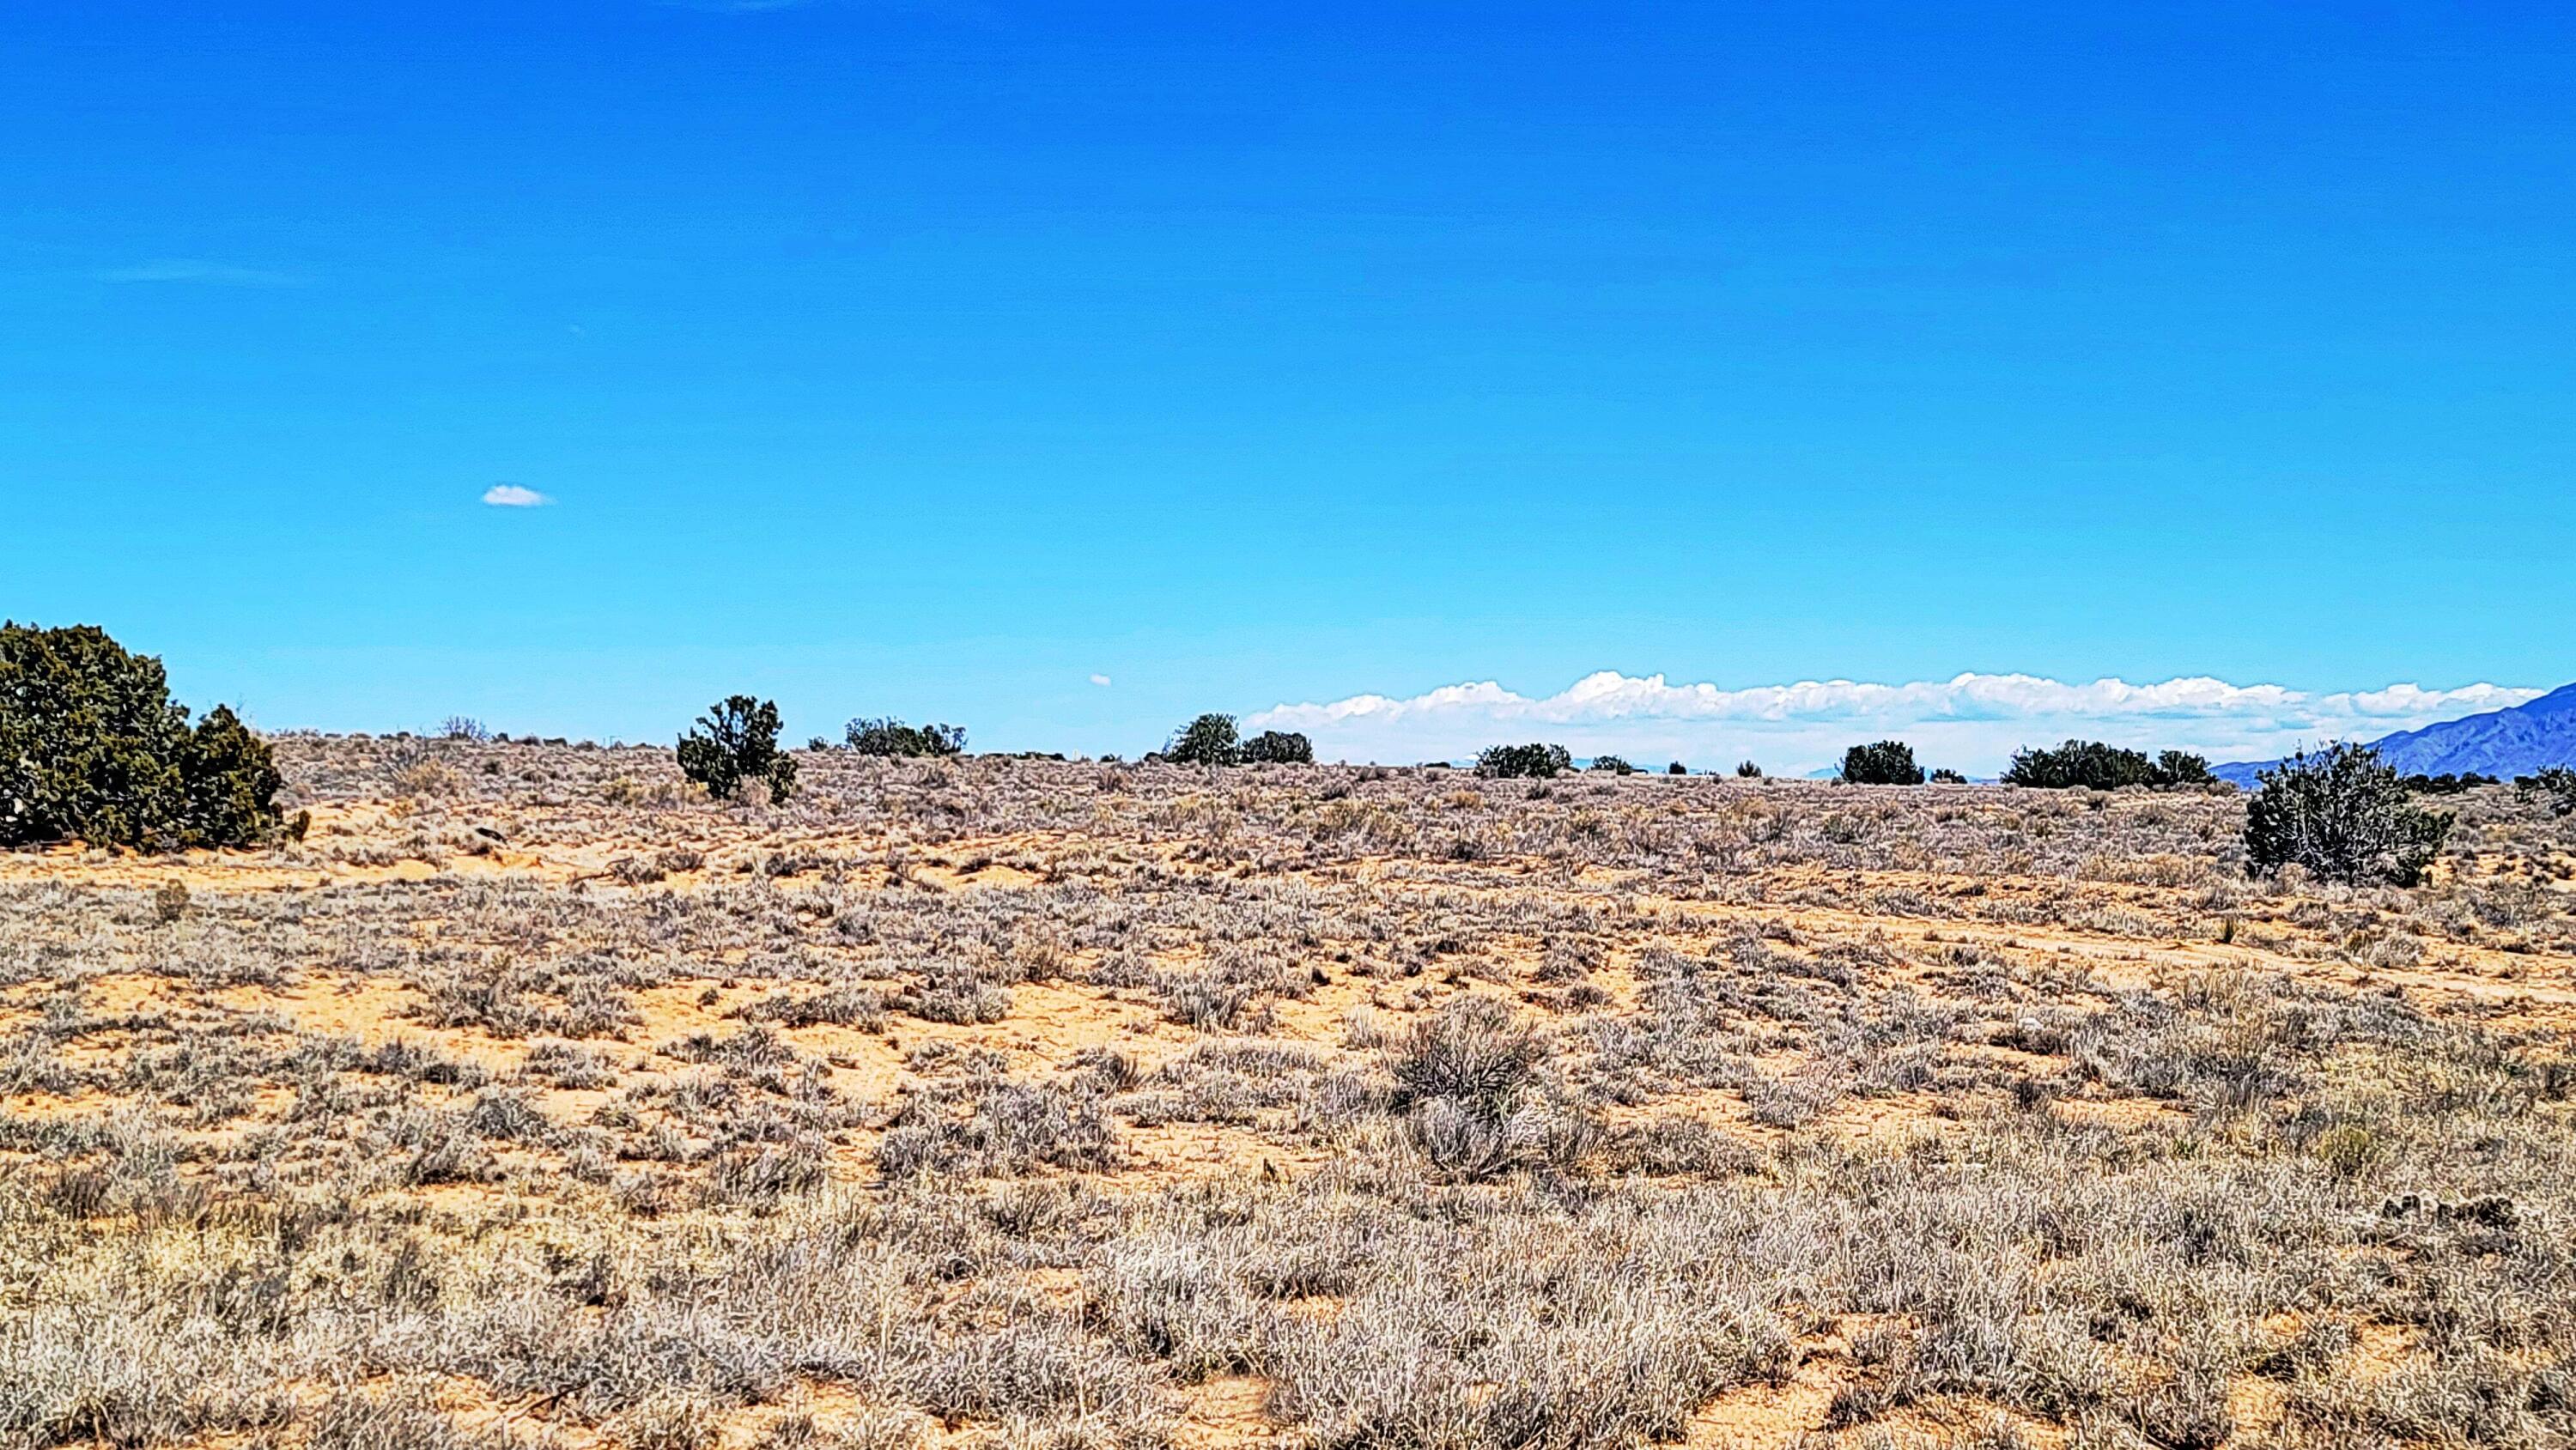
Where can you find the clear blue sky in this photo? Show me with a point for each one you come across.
(934, 358)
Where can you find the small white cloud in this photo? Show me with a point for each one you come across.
(1101, 680)
(512, 496)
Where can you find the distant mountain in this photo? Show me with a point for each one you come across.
(2502, 743)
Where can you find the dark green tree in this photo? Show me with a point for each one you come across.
(227, 781)
(1946, 776)
(1279, 747)
(1676, 768)
(737, 741)
(2088, 764)
(1747, 770)
(2094, 765)
(2447, 783)
(2343, 814)
(1534, 760)
(1613, 764)
(1889, 762)
(1207, 740)
(93, 749)
(2180, 769)
(890, 736)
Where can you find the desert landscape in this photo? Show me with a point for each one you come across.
(958, 725)
(534, 1098)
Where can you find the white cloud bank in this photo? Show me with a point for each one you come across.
(1972, 722)
(512, 496)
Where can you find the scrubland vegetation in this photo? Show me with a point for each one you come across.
(890, 736)
(537, 1097)
(2094, 765)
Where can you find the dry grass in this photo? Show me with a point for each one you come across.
(531, 1101)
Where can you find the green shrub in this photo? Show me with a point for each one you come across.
(1278, 747)
(1207, 740)
(2094, 765)
(2085, 764)
(1889, 762)
(2554, 783)
(2348, 1149)
(228, 784)
(737, 741)
(2446, 783)
(1676, 768)
(1747, 770)
(2180, 768)
(1947, 776)
(2344, 815)
(1504, 762)
(891, 736)
(93, 749)
(1613, 764)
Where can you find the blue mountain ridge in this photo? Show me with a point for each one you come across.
(2502, 743)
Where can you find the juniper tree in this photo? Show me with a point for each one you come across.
(1534, 760)
(1889, 762)
(734, 742)
(2093, 765)
(2343, 814)
(1278, 747)
(93, 749)
(1207, 740)
(890, 736)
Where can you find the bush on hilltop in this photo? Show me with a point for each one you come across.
(1889, 762)
(1505, 762)
(890, 736)
(1207, 740)
(2094, 765)
(736, 741)
(1279, 747)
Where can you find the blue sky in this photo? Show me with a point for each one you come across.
(939, 358)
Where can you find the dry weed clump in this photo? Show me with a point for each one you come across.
(534, 1099)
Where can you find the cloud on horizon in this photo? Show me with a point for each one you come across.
(1971, 722)
(513, 496)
